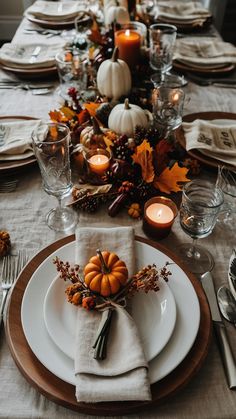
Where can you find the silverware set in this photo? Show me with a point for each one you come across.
(8, 185)
(11, 267)
(34, 88)
(49, 33)
(212, 81)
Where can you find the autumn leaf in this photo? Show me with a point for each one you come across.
(143, 157)
(161, 157)
(91, 107)
(95, 34)
(69, 113)
(57, 116)
(170, 179)
(83, 116)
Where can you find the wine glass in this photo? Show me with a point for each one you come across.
(200, 206)
(226, 180)
(162, 41)
(51, 143)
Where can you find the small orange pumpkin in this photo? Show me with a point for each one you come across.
(105, 273)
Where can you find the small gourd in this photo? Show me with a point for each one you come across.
(105, 273)
(125, 117)
(116, 11)
(114, 77)
(92, 136)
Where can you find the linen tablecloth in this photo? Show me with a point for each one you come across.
(22, 213)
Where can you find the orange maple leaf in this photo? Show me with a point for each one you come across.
(91, 107)
(170, 179)
(83, 116)
(143, 157)
(57, 116)
(67, 112)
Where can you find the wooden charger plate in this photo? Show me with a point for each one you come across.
(63, 393)
(51, 24)
(196, 154)
(15, 166)
(227, 68)
(31, 73)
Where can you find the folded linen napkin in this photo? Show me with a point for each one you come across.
(181, 11)
(15, 139)
(123, 374)
(216, 140)
(51, 10)
(26, 56)
(204, 52)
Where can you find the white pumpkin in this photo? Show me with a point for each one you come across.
(117, 14)
(108, 3)
(125, 117)
(114, 77)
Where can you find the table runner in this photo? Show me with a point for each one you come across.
(22, 214)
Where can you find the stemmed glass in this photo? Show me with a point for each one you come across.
(162, 40)
(201, 203)
(51, 143)
(226, 180)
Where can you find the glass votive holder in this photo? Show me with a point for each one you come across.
(129, 44)
(139, 27)
(72, 71)
(162, 40)
(98, 160)
(167, 106)
(158, 218)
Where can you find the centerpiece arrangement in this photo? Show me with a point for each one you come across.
(119, 154)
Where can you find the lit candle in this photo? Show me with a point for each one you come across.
(128, 43)
(98, 163)
(159, 215)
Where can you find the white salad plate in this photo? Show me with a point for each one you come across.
(61, 365)
(154, 314)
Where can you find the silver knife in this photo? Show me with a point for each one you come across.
(220, 330)
(232, 273)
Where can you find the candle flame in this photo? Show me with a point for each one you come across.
(159, 213)
(127, 32)
(176, 97)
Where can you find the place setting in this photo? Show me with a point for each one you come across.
(204, 56)
(30, 60)
(52, 340)
(54, 15)
(186, 16)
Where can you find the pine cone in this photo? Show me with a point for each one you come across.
(5, 243)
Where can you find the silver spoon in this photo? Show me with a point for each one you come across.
(227, 304)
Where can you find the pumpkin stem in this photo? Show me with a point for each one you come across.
(105, 268)
(96, 128)
(115, 55)
(127, 104)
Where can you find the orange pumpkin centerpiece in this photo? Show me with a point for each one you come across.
(105, 273)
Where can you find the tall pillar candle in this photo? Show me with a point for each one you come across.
(129, 44)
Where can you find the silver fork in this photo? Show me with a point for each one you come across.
(12, 266)
(8, 186)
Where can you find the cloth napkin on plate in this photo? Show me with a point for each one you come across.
(182, 11)
(204, 52)
(15, 139)
(123, 375)
(51, 10)
(22, 55)
(216, 140)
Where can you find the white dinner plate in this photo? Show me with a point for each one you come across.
(48, 353)
(154, 314)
